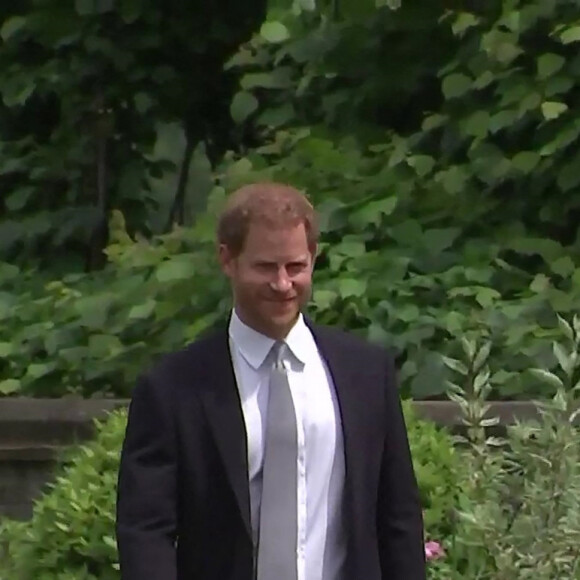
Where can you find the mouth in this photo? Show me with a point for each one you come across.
(282, 300)
(281, 303)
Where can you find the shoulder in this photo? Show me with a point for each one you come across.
(349, 342)
(190, 361)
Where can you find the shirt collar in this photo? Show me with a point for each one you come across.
(255, 346)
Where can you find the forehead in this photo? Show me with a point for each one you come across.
(282, 243)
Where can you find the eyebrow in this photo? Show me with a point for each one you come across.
(301, 260)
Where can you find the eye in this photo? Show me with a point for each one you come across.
(265, 266)
(295, 267)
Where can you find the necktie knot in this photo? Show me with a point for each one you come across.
(278, 351)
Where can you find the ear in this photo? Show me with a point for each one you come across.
(226, 259)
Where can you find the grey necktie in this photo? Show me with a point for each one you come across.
(276, 558)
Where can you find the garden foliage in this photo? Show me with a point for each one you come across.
(439, 143)
(518, 515)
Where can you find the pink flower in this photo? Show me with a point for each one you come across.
(433, 550)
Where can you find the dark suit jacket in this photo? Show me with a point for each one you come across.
(183, 507)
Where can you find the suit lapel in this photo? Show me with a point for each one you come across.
(224, 411)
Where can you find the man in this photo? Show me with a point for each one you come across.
(274, 449)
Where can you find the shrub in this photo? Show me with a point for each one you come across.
(437, 467)
(520, 514)
(92, 334)
(71, 534)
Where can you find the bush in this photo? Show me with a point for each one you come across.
(71, 534)
(92, 334)
(519, 515)
(437, 467)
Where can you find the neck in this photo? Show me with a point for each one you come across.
(272, 331)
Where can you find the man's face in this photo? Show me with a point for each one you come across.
(271, 278)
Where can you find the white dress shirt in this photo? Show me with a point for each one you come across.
(321, 534)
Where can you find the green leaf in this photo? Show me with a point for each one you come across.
(323, 299)
(280, 78)
(17, 93)
(564, 137)
(243, 105)
(38, 370)
(408, 313)
(143, 102)
(307, 5)
(372, 212)
(407, 233)
(530, 103)
(540, 284)
(558, 85)
(437, 240)
(482, 356)
(549, 64)
(349, 287)
(11, 26)
(547, 248)
(485, 297)
(19, 198)
(391, 4)
(85, 7)
(351, 248)
(506, 52)
(456, 85)
(569, 176)
(6, 349)
(429, 379)
(483, 80)
(455, 365)
(277, 116)
(141, 311)
(463, 22)
(570, 35)
(104, 345)
(174, 269)
(565, 328)
(423, 164)
(526, 161)
(452, 179)
(563, 266)
(93, 310)
(433, 121)
(502, 120)
(130, 10)
(553, 109)
(563, 358)
(274, 32)
(477, 124)
(9, 386)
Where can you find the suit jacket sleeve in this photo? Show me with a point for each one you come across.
(147, 490)
(400, 521)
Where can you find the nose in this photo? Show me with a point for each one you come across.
(282, 282)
